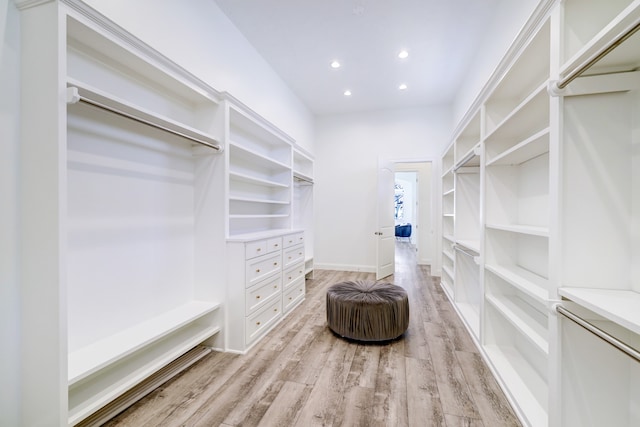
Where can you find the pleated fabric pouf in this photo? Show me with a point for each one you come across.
(367, 311)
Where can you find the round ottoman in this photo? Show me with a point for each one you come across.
(367, 311)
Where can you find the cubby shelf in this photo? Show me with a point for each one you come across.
(531, 323)
(255, 158)
(257, 180)
(521, 229)
(525, 281)
(528, 389)
(509, 154)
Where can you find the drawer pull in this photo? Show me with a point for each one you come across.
(289, 277)
(276, 245)
(258, 250)
(258, 270)
(275, 309)
(257, 296)
(275, 263)
(289, 257)
(290, 298)
(275, 287)
(302, 238)
(299, 253)
(258, 323)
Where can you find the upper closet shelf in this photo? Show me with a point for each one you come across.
(532, 147)
(79, 92)
(470, 159)
(614, 49)
(255, 180)
(240, 151)
(521, 229)
(619, 306)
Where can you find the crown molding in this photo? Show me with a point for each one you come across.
(535, 21)
(26, 4)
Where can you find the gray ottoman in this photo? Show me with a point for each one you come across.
(367, 311)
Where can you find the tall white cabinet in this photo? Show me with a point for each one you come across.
(137, 181)
(540, 211)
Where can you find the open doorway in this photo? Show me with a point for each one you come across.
(414, 215)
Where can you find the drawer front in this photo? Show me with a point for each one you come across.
(254, 249)
(262, 267)
(292, 274)
(293, 295)
(293, 255)
(292, 239)
(262, 293)
(256, 324)
(274, 244)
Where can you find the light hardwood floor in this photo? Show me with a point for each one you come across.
(301, 374)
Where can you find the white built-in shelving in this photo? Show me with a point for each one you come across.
(559, 209)
(600, 215)
(303, 178)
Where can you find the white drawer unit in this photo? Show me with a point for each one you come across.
(262, 267)
(291, 274)
(293, 239)
(293, 295)
(256, 278)
(259, 295)
(293, 255)
(260, 322)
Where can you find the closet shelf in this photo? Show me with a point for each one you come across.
(528, 388)
(448, 215)
(242, 152)
(448, 192)
(90, 359)
(532, 147)
(257, 216)
(521, 229)
(449, 237)
(619, 306)
(472, 244)
(448, 271)
(256, 180)
(448, 254)
(447, 171)
(258, 200)
(470, 314)
(471, 158)
(523, 318)
(105, 101)
(525, 281)
(531, 115)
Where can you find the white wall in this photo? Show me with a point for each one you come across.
(507, 23)
(9, 281)
(199, 37)
(347, 150)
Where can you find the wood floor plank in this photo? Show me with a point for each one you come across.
(455, 394)
(359, 401)
(286, 407)
(364, 366)
(490, 400)
(390, 398)
(455, 421)
(423, 400)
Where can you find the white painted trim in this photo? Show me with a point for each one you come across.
(346, 267)
(26, 4)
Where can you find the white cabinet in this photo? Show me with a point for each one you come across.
(265, 280)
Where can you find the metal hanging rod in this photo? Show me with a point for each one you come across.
(626, 349)
(303, 179)
(466, 159)
(73, 97)
(557, 86)
(464, 251)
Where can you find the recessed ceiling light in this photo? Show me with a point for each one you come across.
(347, 93)
(335, 64)
(403, 54)
(402, 87)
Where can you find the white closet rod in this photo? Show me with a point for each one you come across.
(629, 351)
(77, 97)
(302, 179)
(597, 56)
(466, 159)
(467, 253)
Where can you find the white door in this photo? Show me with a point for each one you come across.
(385, 235)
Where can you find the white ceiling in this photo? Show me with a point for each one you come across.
(300, 38)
